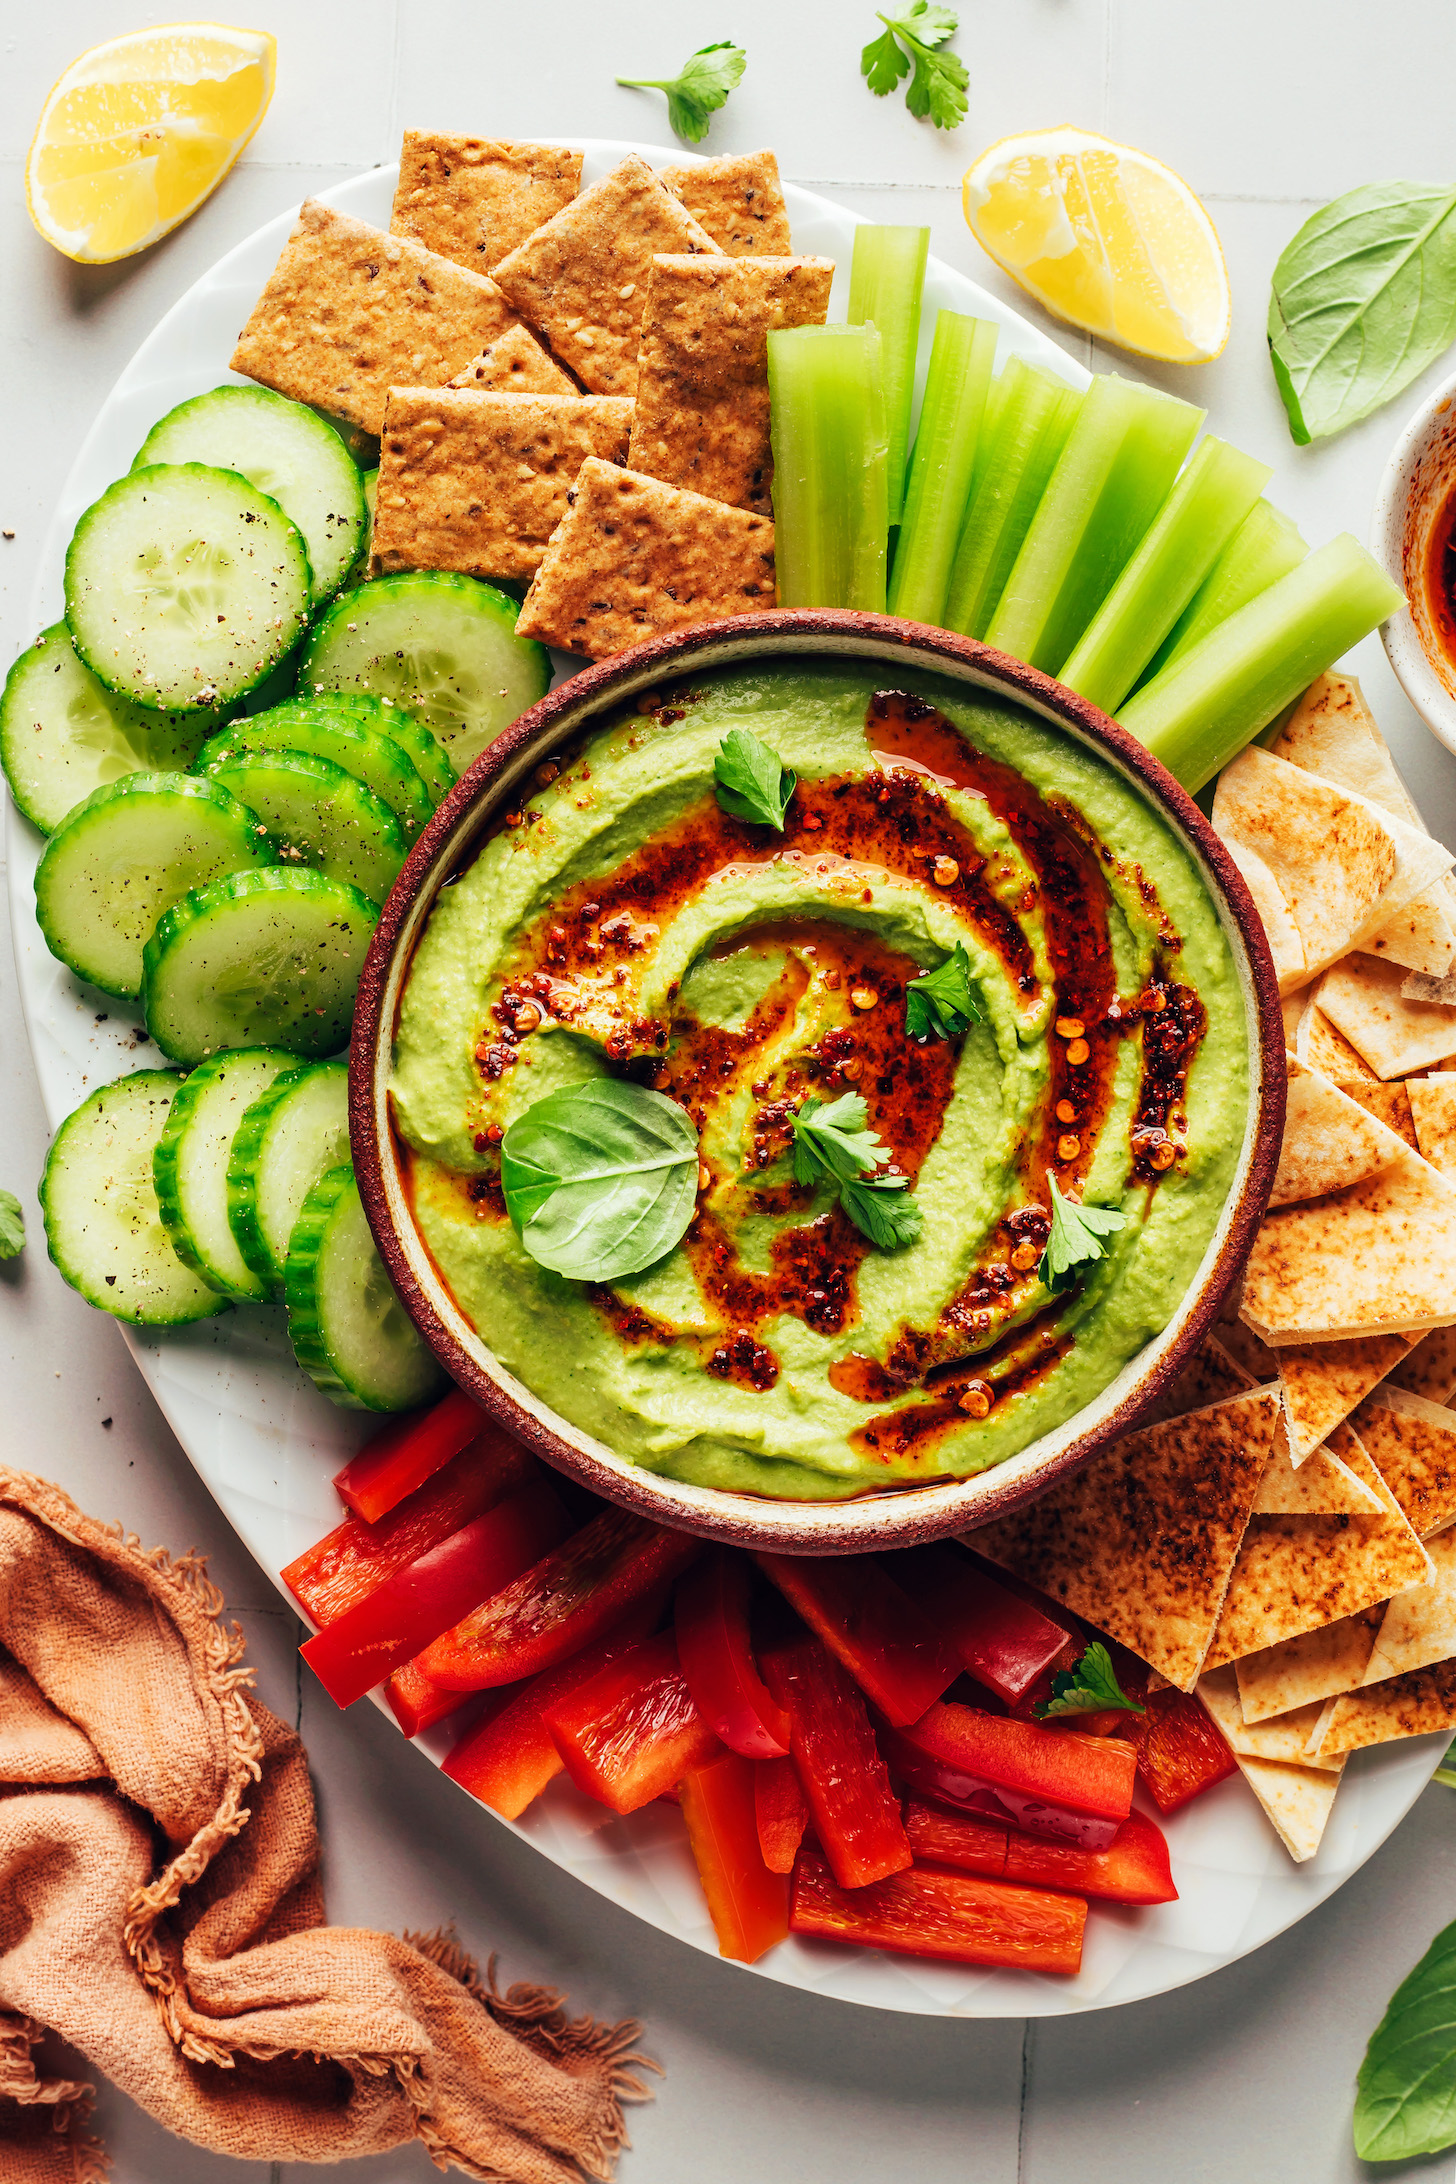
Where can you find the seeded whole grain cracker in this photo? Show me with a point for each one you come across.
(702, 415)
(1324, 1381)
(1143, 1539)
(1283, 1679)
(581, 280)
(1392, 1036)
(633, 558)
(478, 482)
(514, 363)
(1412, 1705)
(349, 312)
(739, 200)
(474, 199)
(1412, 1444)
(1297, 1799)
(1433, 1115)
(1419, 1625)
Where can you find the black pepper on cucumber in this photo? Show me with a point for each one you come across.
(190, 1165)
(315, 729)
(319, 815)
(294, 1132)
(350, 1332)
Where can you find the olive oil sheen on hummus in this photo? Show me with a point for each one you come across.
(621, 923)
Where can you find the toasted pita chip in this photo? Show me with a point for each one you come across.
(1297, 1798)
(1377, 1259)
(581, 280)
(1419, 1625)
(1322, 1486)
(1280, 930)
(1142, 1539)
(1412, 1705)
(1319, 1046)
(1419, 937)
(1283, 1740)
(1324, 1381)
(1421, 986)
(478, 482)
(1389, 1103)
(1292, 1007)
(1211, 1375)
(1429, 1366)
(1433, 1112)
(1243, 1345)
(1412, 1444)
(702, 414)
(349, 312)
(633, 558)
(474, 198)
(1306, 1671)
(739, 200)
(1392, 1036)
(514, 363)
(1294, 1574)
(1329, 1141)
(1333, 732)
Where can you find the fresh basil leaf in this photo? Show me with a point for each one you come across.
(1405, 2103)
(600, 1179)
(1088, 1688)
(881, 1208)
(752, 781)
(1363, 299)
(834, 1140)
(1073, 1241)
(699, 90)
(12, 1226)
(941, 1005)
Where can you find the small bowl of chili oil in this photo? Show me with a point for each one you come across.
(1413, 536)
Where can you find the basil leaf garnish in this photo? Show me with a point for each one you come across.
(1363, 299)
(1405, 2104)
(601, 1179)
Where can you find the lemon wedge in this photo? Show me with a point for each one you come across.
(140, 130)
(1106, 237)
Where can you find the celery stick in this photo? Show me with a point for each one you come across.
(940, 467)
(1266, 546)
(1117, 467)
(886, 275)
(990, 426)
(1214, 495)
(1035, 414)
(1200, 712)
(831, 466)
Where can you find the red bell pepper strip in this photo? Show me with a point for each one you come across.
(416, 1703)
(346, 1565)
(508, 1759)
(378, 1636)
(1003, 1641)
(929, 1913)
(870, 1625)
(569, 1598)
(781, 1812)
(749, 1904)
(410, 1451)
(847, 1785)
(631, 1731)
(715, 1652)
(1180, 1751)
(1049, 1781)
(1133, 1869)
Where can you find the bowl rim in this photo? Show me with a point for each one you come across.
(1393, 540)
(911, 1514)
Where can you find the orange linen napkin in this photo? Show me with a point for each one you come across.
(160, 1908)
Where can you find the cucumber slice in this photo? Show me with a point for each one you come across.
(102, 1222)
(287, 452)
(375, 759)
(262, 959)
(350, 1332)
(185, 585)
(320, 815)
(63, 734)
(369, 481)
(413, 737)
(443, 646)
(190, 1165)
(123, 857)
(292, 1134)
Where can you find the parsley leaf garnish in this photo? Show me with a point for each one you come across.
(1074, 1237)
(12, 1226)
(752, 781)
(938, 87)
(941, 1005)
(707, 78)
(1088, 1688)
(834, 1141)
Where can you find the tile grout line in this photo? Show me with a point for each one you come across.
(1028, 2029)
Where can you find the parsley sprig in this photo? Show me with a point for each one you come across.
(751, 781)
(1088, 1688)
(834, 1141)
(938, 87)
(941, 1005)
(703, 85)
(1075, 1237)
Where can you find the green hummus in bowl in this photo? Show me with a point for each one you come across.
(583, 907)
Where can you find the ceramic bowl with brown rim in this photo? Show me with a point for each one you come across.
(895, 655)
(1412, 539)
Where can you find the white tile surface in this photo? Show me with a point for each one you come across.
(1268, 108)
